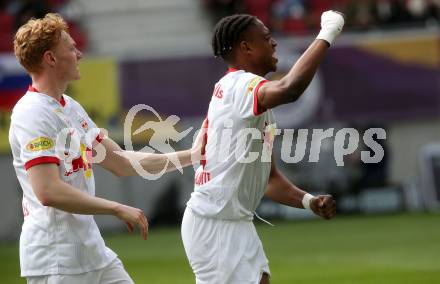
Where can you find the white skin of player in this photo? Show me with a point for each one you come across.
(158, 142)
(256, 54)
(59, 68)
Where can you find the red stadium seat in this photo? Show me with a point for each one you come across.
(6, 32)
(294, 27)
(6, 22)
(259, 8)
(6, 44)
(78, 36)
(54, 4)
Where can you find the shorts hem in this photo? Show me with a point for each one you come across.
(36, 273)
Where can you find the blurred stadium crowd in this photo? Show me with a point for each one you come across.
(14, 13)
(283, 17)
(298, 17)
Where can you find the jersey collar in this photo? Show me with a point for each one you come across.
(230, 70)
(33, 89)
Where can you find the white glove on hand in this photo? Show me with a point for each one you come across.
(331, 26)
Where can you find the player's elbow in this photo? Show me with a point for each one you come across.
(44, 196)
(47, 192)
(297, 88)
(291, 90)
(46, 202)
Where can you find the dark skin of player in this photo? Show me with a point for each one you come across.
(255, 53)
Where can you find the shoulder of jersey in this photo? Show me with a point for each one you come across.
(69, 99)
(237, 76)
(71, 102)
(30, 106)
(29, 102)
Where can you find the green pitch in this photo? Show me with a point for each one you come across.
(397, 249)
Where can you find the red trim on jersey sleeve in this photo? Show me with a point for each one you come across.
(41, 160)
(256, 110)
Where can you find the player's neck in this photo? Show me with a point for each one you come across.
(246, 67)
(48, 86)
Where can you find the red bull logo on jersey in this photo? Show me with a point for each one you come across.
(39, 144)
(82, 162)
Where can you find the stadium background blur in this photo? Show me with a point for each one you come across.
(384, 72)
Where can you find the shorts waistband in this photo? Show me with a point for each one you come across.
(244, 219)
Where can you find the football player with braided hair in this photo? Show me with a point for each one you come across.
(219, 237)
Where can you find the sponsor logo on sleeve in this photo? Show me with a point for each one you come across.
(252, 84)
(39, 144)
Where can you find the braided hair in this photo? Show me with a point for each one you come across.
(228, 32)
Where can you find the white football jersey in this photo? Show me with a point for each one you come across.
(53, 241)
(233, 177)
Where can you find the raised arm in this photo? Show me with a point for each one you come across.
(52, 191)
(292, 86)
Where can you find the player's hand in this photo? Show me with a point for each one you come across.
(133, 216)
(199, 143)
(324, 206)
(332, 23)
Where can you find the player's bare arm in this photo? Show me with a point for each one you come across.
(281, 190)
(52, 191)
(293, 85)
(118, 161)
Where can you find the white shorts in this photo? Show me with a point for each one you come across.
(223, 251)
(113, 273)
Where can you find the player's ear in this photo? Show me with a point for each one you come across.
(245, 47)
(49, 58)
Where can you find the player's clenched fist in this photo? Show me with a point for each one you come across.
(324, 206)
(331, 26)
